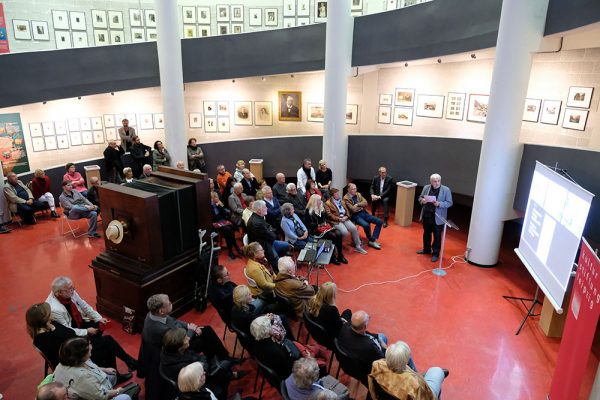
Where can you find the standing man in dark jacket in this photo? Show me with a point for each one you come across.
(113, 163)
(381, 192)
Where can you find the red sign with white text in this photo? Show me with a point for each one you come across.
(582, 317)
(3, 34)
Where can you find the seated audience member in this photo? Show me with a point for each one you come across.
(222, 224)
(20, 199)
(181, 165)
(298, 200)
(53, 391)
(49, 335)
(305, 172)
(324, 176)
(280, 188)
(222, 176)
(304, 382)
(246, 308)
(394, 376)
(381, 192)
(311, 188)
(247, 213)
(75, 206)
(319, 227)
(293, 228)
(220, 291)
(83, 377)
(195, 156)
(258, 272)
(249, 183)
(113, 162)
(295, 289)
(191, 382)
(93, 195)
(127, 175)
(203, 339)
(324, 311)
(273, 207)
(338, 216)
(40, 187)
(238, 175)
(357, 205)
(237, 202)
(141, 155)
(76, 179)
(260, 231)
(211, 185)
(146, 172)
(160, 156)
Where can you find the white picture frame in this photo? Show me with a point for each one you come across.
(60, 127)
(271, 17)
(111, 134)
(60, 19)
(531, 110)
(159, 121)
(575, 119)
(236, 29)
(38, 144)
(146, 121)
(352, 114)
(63, 40)
(39, 30)
(99, 19)
(138, 35)
(550, 112)
(580, 97)
(289, 22)
(320, 14)
(195, 120)
(85, 124)
(77, 20)
(98, 137)
(223, 124)
(303, 8)
(455, 106)
(210, 108)
(136, 19)
(151, 34)
(255, 16)
(404, 97)
(223, 107)
(316, 112)
(75, 138)
(204, 31)
(190, 31)
(203, 15)
(223, 28)
(391, 5)
(386, 99)
(403, 116)
(117, 37)
(50, 143)
(263, 113)
(302, 21)
(384, 115)
(242, 113)
(430, 106)
(356, 5)
(87, 137)
(74, 125)
(80, 39)
(48, 128)
(101, 37)
(62, 142)
(35, 129)
(289, 8)
(22, 29)
(223, 13)
(150, 18)
(97, 123)
(115, 20)
(188, 14)
(236, 13)
(478, 107)
(210, 124)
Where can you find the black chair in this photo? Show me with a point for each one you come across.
(288, 309)
(283, 391)
(320, 335)
(380, 393)
(47, 364)
(270, 375)
(226, 318)
(352, 366)
(169, 394)
(246, 341)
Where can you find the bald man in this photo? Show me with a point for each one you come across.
(52, 391)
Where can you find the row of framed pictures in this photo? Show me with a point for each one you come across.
(61, 142)
(259, 113)
(28, 30)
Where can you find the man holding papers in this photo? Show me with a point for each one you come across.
(435, 199)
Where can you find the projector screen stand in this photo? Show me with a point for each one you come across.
(530, 312)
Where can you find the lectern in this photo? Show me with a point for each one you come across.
(151, 237)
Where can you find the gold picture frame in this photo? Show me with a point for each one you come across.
(290, 111)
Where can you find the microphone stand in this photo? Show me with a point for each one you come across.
(447, 223)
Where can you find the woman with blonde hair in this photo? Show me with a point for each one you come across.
(246, 309)
(323, 309)
(316, 222)
(258, 272)
(190, 383)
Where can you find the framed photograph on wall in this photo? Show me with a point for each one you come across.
(48, 128)
(403, 116)
(35, 129)
(223, 28)
(87, 137)
(385, 115)
(263, 113)
(271, 17)
(195, 120)
(385, 99)
(356, 5)
(77, 19)
(62, 141)
(210, 124)
(237, 13)
(289, 22)
(63, 39)
(316, 112)
(146, 121)
(289, 8)
(478, 107)
(223, 125)
(575, 119)
(531, 111)
(50, 143)
(242, 114)
(255, 16)
(75, 138)
(580, 96)
(138, 35)
(60, 127)
(159, 121)
(302, 21)
(38, 144)
(60, 19)
(204, 31)
(190, 31)
(455, 108)
(550, 112)
(150, 18)
(39, 29)
(99, 19)
(237, 28)
(85, 124)
(352, 114)
(391, 5)
(101, 37)
(117, 37)
(320, 14)
(210, 108)
(404, 97)
(111, 134)
(290, 106)
(223, 108)
(74, 125)
(115, 20)
(135, 17)
(303, 8)
(97, 123)
(222, 13)
(80, 39)
(151, 34)
(22, 29)
(188, 14)
(98, 137)
(431, 106)
(203, 15)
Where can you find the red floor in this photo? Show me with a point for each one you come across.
(459, 321)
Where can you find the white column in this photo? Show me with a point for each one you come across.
(338, 57)
(171, 78)
(520, 33)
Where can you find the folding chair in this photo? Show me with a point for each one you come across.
(69, 228)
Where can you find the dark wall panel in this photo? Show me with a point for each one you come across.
(583, 166)
(565, 15)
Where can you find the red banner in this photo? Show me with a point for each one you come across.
(580, 327)
(3, 34)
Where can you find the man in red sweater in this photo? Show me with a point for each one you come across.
(40, 187)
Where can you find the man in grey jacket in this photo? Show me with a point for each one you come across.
(435, 199)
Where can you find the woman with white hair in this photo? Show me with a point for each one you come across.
(292, 226)
(395, 377)
(191, 382)
(304, 382)
(316, 222)
(128, 173)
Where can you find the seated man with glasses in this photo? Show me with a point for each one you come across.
(75, 206)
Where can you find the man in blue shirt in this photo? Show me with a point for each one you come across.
(75, 206)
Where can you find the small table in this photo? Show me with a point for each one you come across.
(322, 261)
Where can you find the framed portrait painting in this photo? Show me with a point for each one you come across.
(290, 106)
(203, 15)
(431, 106)
(575, 119)
(550, 111)
(263, 113)
(403, 116)
(580, 96)
(320, 14)
(404, 97)
(242, 113)
(531, 111)
(478, 107)
(188, 14)
(455, 108)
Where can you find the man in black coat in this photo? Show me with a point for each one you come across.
(113, 163)
(220, 291)
(260, 231)
(381, 192)
(141, 155)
